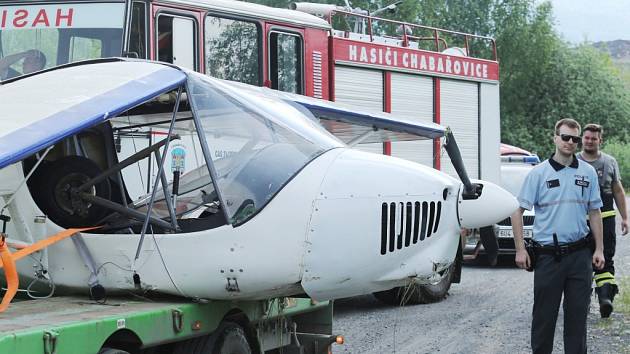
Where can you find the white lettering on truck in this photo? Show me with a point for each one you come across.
(397, 57)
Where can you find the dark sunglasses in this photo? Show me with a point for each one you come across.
(567, 137)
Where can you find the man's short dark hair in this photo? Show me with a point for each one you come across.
(595, 128)
(569, 122)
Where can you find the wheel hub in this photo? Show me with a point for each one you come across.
(68, 197)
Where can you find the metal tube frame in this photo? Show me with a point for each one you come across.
(124, 210)
(126, 162)
(206, 153)
(157, 180)
(167, 194)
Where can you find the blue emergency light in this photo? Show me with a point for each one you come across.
(532, 159)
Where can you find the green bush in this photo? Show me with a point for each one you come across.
(622, 303)
(620, 151)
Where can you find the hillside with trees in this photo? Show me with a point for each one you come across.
(619, 52)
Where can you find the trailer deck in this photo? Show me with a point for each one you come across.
(77, 325)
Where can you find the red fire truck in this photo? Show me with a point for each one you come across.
(323, 51)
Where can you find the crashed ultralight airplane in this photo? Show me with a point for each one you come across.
(188, 185)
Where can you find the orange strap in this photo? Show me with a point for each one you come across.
(10, 274)
(39, 245)
(8, 260)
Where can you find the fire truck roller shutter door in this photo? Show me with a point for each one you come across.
(361, 88)
(460, 110)
(412, 97)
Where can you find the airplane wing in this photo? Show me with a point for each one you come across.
(348, 123)
(73, 99)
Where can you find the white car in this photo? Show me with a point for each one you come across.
(516, 163)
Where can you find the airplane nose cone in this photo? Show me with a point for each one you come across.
(493, 205)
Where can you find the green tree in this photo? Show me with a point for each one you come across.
(621, 151)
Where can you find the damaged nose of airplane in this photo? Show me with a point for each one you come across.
(493, 205)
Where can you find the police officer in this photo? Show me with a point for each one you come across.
(562, 190)
(611, 189)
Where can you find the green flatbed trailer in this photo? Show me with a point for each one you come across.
(76, 325)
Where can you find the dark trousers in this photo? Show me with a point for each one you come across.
(610, 243)
(571, 276)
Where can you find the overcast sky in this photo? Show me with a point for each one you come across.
(595, 20)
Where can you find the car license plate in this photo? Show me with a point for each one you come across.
(509, 234)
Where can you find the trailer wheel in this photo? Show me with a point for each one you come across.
(417, 294)
(57, 199)
(228, 339)
(111, 351)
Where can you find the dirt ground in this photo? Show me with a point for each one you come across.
(489, 312)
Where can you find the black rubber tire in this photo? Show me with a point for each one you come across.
(38, 180)
(189, 346)
(417, 294)
(229, 338)
(389, 297)
(111, 351)
(63, 174)
(427, 294)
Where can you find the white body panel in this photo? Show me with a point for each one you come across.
(183, 43)
(459, 110)
(490, 132)
(412, 96)
(339, 265)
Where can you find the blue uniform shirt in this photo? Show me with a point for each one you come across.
(561, 197)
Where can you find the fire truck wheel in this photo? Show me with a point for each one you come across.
(59, 202)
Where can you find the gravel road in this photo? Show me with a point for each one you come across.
(489, 312)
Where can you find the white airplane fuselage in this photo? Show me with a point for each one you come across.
(336, 229)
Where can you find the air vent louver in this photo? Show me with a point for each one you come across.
(403, 224)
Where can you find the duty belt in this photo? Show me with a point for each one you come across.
(558, 250)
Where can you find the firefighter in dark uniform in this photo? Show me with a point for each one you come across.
(611, 191)
(562, 190)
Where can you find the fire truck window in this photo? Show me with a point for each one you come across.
(176, 41)
(137, 40)
(165, 39)
(285, 62)
(232, 50)
(40, 46)
(84, 48)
